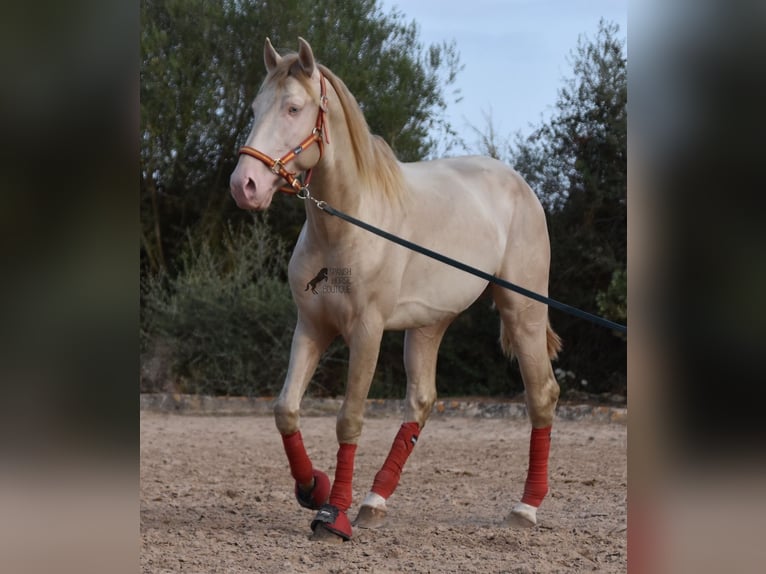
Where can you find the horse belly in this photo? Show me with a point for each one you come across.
(421, 313)
(432, 292)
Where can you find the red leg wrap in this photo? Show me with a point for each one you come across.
(536, 486)
(300, 464)
(388, 476)
(340, 495)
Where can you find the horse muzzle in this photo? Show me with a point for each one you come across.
(249, 193)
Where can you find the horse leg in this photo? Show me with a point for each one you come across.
(421, 347)
(331, 523)
(312, 487)
(527, 335)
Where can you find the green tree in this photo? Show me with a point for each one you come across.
(577, 163)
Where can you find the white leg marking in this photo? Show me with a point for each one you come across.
(523, 515)
(374, 500)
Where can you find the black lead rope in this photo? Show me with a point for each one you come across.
(472, 270)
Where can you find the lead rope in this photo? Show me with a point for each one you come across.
(324, 206)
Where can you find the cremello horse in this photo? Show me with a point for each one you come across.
(473, 209)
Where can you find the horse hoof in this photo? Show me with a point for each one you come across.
(371, 517)
(318, 495)
(321, 534)
(331, 525)
(522, 515)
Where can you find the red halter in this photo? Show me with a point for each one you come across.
(278, 166)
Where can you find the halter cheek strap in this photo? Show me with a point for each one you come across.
(318, 135)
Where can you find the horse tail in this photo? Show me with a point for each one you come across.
(553, 341)
(307, 286)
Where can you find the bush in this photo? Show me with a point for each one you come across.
(224, 323)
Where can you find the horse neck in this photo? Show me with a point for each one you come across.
(335, 180)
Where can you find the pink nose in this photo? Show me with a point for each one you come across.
(242, 188)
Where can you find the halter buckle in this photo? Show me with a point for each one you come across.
(277, 167)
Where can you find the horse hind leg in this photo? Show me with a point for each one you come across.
(421, 347)
(527, 335)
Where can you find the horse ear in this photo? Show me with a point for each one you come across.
(305, 57)
(270, 56)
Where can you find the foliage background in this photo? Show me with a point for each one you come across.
(216, 313)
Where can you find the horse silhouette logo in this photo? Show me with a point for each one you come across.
(321, 276)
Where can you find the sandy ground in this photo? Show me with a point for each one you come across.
(217, 496)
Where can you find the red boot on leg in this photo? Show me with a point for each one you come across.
(388, 476)
(373, 512)
(536, 487)
(332, 516)
(316, 495)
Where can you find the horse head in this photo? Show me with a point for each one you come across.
(288, 115)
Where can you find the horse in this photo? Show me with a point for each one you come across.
(473, 209)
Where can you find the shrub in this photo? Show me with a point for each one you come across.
(225, 321)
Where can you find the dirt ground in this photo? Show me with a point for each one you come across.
(217, 496)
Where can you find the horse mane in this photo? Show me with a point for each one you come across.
(376, 163)
(375, 160)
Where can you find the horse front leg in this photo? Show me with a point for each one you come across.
(312, 486)
(421, 348)
(331, 522)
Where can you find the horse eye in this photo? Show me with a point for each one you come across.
(292, 110)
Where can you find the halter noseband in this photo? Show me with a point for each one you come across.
(278, 166)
